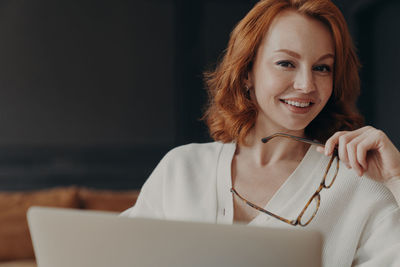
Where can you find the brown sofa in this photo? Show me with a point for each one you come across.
(15, 242)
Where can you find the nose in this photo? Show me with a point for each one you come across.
(304, 81)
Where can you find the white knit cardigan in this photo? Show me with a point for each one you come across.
(358, 217)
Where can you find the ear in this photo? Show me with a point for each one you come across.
(249, 80)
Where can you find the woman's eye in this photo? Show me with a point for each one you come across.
(285, 64)
(322, 68)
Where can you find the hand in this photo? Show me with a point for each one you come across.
(366, 150)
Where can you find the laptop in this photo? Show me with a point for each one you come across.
(67, 237)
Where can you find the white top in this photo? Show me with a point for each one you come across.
(358, 217)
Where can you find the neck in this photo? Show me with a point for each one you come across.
(276, 150)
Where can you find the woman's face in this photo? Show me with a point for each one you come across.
(292, 75)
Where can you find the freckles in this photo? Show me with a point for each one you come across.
(325, 90)
(270, 83)
(328, 92)
(279, 81)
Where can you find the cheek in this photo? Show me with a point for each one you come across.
(326, 89)
(272, 84)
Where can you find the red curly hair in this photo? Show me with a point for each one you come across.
(231, 114)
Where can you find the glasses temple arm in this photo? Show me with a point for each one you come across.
(262, 210)
(311, 142)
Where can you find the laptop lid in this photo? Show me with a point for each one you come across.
(65, 238)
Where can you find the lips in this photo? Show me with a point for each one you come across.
(296, 105)
(298, 102)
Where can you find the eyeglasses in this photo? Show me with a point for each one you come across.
(310, 210)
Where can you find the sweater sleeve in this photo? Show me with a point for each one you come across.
(394, 186)
(380, 245)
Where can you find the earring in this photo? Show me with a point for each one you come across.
(247, 91)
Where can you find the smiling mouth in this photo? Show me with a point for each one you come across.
(297, 104)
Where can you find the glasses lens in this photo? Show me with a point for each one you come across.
(310, 211)
(332, 172)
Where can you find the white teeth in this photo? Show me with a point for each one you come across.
(297, 104)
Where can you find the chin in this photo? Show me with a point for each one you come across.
(296, 127)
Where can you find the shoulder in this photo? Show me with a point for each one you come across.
(190, 162)
(184, 170)
(194, 152)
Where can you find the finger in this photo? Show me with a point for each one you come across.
(362, 151)
(332, 142)
(348, 147)
(342, 149)
(370, 142)
(320, 149)
(352, 154)
(344, 145)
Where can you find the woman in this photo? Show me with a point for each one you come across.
(290, 68)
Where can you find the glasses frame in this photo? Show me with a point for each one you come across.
(316, 195)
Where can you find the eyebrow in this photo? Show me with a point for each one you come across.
(296, 55)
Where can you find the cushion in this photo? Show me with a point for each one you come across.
(20, 263)
(107, 200)
(15, 241)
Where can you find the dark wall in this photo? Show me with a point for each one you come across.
(95, 92)
(378, 31)
(86, 73)
(87, 91)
